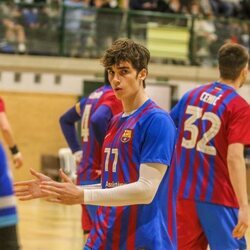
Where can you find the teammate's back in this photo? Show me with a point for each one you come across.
(208, 170)
(206, 130)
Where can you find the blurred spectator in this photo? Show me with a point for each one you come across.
(31, 1)
(169, 6)
(79, 26)
(205, 7)
(174, 6)
(73, 14)
(144, 5)
(89, 31)
(227, 8)
(30, 17)
(108, 23)
(235, 32)
(245, 6)
(223, 32)
(187, 5)
(205, 36)
(244, 36)
(14, 31)
(40, 1)
(194, 8)
(72, 25)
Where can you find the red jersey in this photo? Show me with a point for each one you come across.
(208, 118)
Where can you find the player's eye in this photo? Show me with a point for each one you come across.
(110, 72)
(124, 71)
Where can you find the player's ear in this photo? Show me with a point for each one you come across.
(244, 72)
(246, 69)
(143, 74)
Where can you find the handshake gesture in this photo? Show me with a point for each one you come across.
(44, 187)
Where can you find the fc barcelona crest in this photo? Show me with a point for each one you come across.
(126, 136)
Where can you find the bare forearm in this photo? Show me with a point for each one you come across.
(140, 192)
(8, 137)
(237, 174)
(6, 130)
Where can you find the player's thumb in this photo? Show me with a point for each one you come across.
(34, 173)
(64, 177)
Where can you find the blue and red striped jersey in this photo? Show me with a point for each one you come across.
(146, 136)
(8, 213)
(208, 118)
(96, 113)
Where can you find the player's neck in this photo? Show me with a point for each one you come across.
(231, 83)
(134, 102)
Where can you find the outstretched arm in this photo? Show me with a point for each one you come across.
(28, 190)
(139, 192)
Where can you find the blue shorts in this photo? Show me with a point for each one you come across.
(200, 224)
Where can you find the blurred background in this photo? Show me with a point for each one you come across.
(50, 56)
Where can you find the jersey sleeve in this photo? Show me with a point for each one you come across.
(239, 127)
(82, 104)
(2, 106)
(174, 113)
(159, 140)
(100, 121)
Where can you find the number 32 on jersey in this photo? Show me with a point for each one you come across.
(189, 125)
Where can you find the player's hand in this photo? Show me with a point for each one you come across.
(63, 193)
(242, 225)
(28, 190)
(18, 160)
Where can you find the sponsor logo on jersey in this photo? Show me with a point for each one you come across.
(126, 136)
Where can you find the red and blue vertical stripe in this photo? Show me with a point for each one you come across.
(198, 175)
(136, 226)
(8, 212)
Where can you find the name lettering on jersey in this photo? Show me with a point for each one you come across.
(208, 98)
(126, 136)
(113, 184)
(96, 95)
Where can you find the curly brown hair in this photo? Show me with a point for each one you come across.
(127, 50)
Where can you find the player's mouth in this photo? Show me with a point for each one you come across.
(117, 89)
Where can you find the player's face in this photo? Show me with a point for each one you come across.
(125, 80)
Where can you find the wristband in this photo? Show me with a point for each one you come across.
(14, 150)
(17, 156)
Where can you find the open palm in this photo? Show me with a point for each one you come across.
(28, 190)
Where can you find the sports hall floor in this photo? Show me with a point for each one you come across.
(47, 226)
